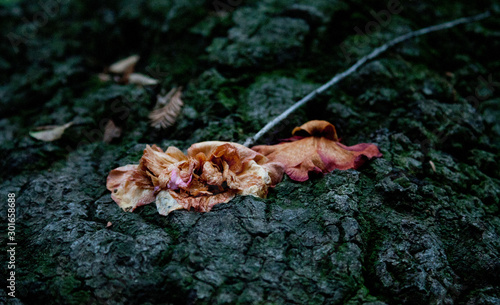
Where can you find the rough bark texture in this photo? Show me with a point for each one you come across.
(396, 231)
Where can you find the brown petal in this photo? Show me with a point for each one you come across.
(124, 191)
(202, 203)
(315, 150)
(317, 128)
(276, 171)
(157, 163)
(165, 203)
(298, 157)
(360, 152)
(211, 174)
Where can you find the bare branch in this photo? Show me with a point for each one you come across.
(376, 52)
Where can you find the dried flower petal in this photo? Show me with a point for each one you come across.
(159, 165)
(221, 170)
(211, 173)
(50, 133)
(165, 203)
(125, 191)
(315, 149)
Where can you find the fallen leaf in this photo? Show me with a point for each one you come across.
(166, 115)
(109, 224)
(140, 79)
(123, 73)
(432, 166)
(111, 131)
(124, 66)
(103, 77)
(314, 148)
(49, 133)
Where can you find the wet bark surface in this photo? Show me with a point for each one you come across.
(419, 226)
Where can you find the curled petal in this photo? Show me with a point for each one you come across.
(356, 156)
(317, 128)
(165, 203)
(275, 170)
(202, 203)
(243, 169)
(176, 180)
(124, 191)
(157, 164)
(211, 174)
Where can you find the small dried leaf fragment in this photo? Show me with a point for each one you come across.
(123, 71)
(171, 106)
(50, 133)
(315, 148)
(432, 166)
(141, 79)
(124, 66)
(111, 131)
(103, 77)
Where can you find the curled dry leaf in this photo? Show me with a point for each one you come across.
(140, 79)
(50, 133)
(111, 131)
(314, 148)
(211, 173)
(103, 77)
(171, 106)
(433, 166)
(124, 66)
(124, 69)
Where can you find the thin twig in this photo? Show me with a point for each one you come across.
(376, 52)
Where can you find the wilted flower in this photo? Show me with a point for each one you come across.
(315, 148)
(211, 173)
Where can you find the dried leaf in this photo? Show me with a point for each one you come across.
(166, 116)
(111, 131)
(49, 133)
(432, 166)
(103, 77)
(140, 79)
(315, 149)
(124, 66)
